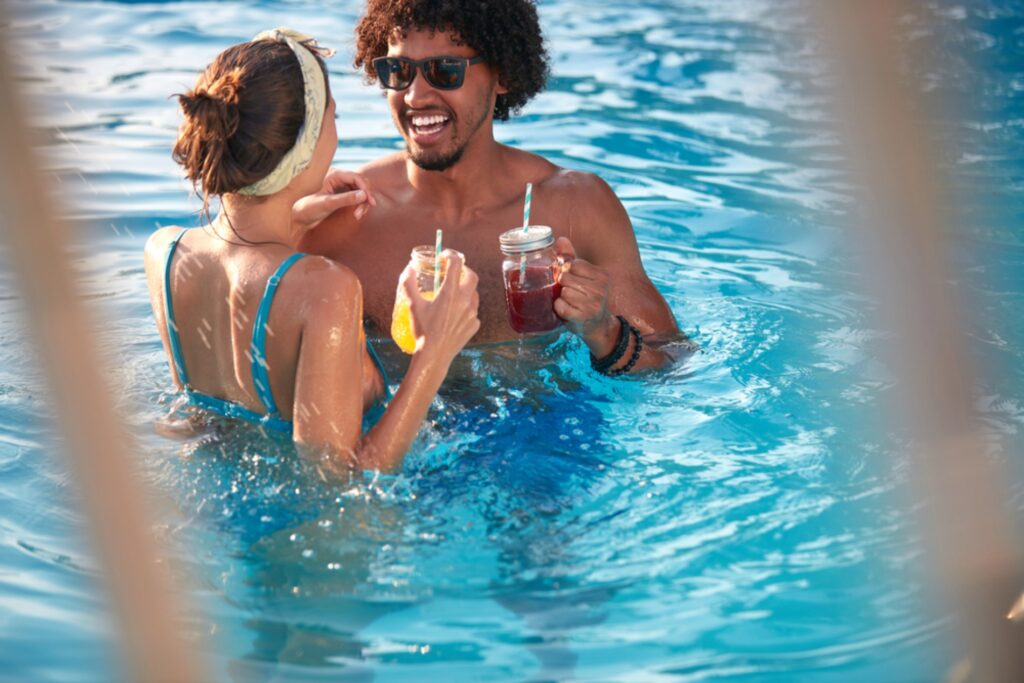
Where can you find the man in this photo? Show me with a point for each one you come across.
(454, 175)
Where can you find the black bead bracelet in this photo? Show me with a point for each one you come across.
(636, 354)
(605, 364)
(602, 364)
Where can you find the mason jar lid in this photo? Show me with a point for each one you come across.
(522, 240)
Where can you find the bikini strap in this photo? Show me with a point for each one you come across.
(258, 348)
(172, 328)
(380, 368)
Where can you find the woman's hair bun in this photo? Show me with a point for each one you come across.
(213, 108)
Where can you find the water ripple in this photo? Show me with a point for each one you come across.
(710, 521)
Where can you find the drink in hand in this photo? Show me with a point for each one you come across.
(422, 260)
(531, 270)
(401, 322)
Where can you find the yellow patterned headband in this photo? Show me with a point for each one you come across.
(315, 82)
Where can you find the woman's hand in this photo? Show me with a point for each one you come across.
(341, 189)
(447, 323)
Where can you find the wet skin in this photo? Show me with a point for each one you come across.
(478, 197)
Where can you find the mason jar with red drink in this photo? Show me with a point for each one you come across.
(532, 272)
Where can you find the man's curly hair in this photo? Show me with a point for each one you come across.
(505, 32)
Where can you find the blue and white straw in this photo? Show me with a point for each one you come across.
(437, 261)
(526, 223)
(526, 205)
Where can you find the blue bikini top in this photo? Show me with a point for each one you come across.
(257, 350)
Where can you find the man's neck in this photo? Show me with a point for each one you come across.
(469, 184)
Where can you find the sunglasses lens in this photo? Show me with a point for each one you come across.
(444, 73)
(393, 72)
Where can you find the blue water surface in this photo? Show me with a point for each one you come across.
(741, 517)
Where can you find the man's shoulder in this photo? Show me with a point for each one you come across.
(545, 174)
(590, 208)
(580, 184)
(531, 167)
(390, 167)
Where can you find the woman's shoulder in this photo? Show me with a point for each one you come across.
(324, 284)
(158, 242)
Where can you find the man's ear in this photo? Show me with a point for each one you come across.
(499, 87)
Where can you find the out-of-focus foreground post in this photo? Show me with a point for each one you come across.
(97, 444)
(965, 516)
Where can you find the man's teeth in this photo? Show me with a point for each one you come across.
(429, 124)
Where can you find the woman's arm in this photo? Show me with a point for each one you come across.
(328, 407)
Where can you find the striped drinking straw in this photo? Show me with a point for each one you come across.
(526, 223)
(526, 205)
(437, 262)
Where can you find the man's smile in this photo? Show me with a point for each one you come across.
(426, 128)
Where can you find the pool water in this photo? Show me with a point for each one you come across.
(742, 516)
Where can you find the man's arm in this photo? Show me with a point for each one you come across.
(607, 279)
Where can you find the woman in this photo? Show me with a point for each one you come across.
(255, 330)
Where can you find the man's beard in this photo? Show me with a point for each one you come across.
(441, 162)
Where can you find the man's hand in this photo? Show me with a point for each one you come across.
(341, 189)
(583, 304)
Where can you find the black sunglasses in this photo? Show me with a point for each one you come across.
(443, 73)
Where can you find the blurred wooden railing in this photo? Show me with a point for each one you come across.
(98, 447)
(904, 220)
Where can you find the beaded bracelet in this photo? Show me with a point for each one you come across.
(602, 365)
(636, 354)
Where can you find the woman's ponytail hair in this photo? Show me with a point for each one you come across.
(241, 117)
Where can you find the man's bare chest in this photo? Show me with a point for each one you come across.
(380, 249)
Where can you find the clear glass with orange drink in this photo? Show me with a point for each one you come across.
(423, 262)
